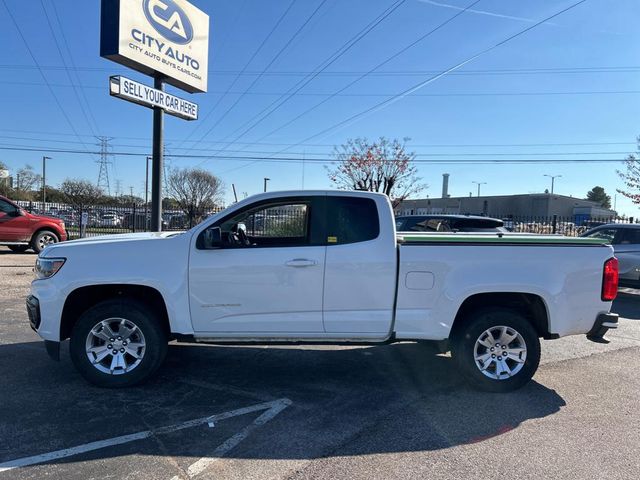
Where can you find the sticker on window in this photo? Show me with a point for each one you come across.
(332, 239)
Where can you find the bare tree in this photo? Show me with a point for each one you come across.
(383, 166)
(195, 190)
(27, 179)
(80, 193)
(631, 178)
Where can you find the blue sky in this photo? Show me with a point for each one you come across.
(490, 101)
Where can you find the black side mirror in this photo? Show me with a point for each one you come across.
(16, 213)
(212, 238)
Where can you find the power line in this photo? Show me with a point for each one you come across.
(433, 78)
(379, 65)
(369, 94)
(412, 145)
(323, 160)
(348, 73)
(266, 112)
(266, 152)
(423, 83)
(255, 53)
(273, 60)
(73, 65)
(64, 63)
(44, 77)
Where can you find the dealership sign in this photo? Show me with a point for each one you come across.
(166, 37)
(141, 94)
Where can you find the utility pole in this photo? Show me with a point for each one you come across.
(479, 184)
(44, 181)
(131, 192)
(235, 195)
(265, 183)
(158, 161)
(553, 179)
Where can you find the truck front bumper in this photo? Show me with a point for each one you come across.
(35, 320)
(603, 323)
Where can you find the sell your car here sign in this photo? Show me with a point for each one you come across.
(166, 37)
(141, 94)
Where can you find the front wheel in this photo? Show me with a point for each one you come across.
(42, 240)
(497, 349)
(118, 343)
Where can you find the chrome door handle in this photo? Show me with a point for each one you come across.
(301, 262)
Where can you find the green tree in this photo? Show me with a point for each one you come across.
(597, 194)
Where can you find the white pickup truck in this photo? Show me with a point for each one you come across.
(319, 267)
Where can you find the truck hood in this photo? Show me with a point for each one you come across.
(59, 248)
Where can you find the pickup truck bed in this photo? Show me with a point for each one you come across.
(320, 267)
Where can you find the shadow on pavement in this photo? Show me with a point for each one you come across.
(350, 401)
(627, 305)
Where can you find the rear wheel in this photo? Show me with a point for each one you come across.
(43, 239)
(118, 343)
(497, 349)
(19, 248)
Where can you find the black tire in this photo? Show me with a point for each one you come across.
(153, 336)
(19, 248)
(43, 238)
(477, 324)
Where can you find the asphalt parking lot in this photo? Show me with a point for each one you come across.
(396, 411)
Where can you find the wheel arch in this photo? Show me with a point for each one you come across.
(530, 305)
(83, 298)
(44, 228)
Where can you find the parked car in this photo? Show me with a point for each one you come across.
(139, 221)
(448, 223)
(625, 239)
(109, 220)
(339, 275)
(21, 230)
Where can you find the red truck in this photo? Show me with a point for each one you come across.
(20, 230)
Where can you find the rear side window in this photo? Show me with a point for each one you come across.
(630, 236)
(607, 234)
(351, 220)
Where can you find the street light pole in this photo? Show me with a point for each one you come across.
(553, 180)
(44, 181)
(479, 183)
(265, 183)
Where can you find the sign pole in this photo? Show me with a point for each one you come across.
(158, 161)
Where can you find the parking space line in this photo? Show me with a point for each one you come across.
(273, 408)
(198, 467)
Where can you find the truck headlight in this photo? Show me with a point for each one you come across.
(48, 267)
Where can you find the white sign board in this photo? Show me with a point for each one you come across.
(141, 94)
(158, 37)
(4, 173)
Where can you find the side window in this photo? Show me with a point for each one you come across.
(268, 225)
(607, 234)
(281, 221)
(6, 207)
(351, 220)
(630, 236)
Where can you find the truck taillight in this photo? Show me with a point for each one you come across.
(610, 280)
